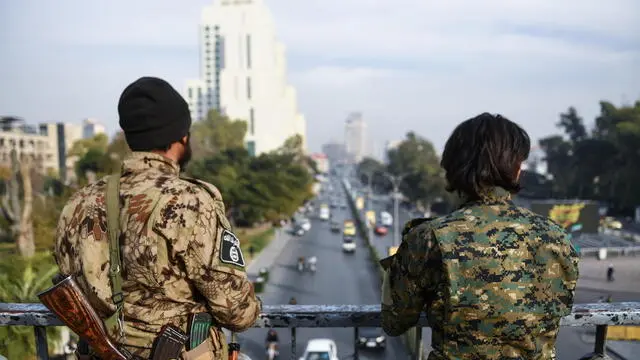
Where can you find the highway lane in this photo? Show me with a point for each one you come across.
(340, 279)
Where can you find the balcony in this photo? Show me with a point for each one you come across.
(599, 315)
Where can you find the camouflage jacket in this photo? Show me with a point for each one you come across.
(493, 278)
(178, 252)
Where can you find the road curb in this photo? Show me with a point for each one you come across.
(268, 255)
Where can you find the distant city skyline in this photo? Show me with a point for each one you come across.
(421, 66)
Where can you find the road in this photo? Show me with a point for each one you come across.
(572, 342)
(340, 279)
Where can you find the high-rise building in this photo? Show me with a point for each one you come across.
(243, 74)
(354, 137)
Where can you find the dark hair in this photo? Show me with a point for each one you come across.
(483, 152)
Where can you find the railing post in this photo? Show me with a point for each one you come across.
(42, 349)
(293, 344)
(601, 339)
(356, 335)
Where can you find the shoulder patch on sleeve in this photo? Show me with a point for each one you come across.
(230, 252)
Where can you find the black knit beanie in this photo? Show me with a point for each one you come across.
(152, 114)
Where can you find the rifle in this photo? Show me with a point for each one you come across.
(66, 300)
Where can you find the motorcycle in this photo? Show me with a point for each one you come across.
(312, 267)
(272, 351)
(300, 266)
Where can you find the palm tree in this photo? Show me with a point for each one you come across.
(21, 279)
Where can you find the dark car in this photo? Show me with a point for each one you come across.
(298, 230)
(335, 226)
(371, 338)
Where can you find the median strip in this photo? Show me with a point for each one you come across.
(408, 338)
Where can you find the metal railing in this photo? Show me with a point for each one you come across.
(600, 315)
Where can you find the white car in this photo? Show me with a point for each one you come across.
(348, 245)
(320, 349)
(324, 213)
(386, 219)
(305, 224)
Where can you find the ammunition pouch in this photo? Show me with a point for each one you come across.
(197, 346)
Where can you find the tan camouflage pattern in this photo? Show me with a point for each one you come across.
(493, 278)
(170, 241)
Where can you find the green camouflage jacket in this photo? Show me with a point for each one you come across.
(493, 278)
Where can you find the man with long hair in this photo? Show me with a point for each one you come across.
(494, 279)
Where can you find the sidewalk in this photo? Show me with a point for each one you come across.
(268, 255)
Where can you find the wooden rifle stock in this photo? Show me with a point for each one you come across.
(66, 300)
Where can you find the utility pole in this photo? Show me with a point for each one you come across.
(396, 180)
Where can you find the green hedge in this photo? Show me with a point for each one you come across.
(409, 337)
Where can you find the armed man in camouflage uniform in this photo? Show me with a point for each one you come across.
(178, 251)
(493, 278)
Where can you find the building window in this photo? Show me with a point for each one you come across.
(251, 148)
(190, 93)
(252, 122)
(248, 87)
(248, 51)
(220, 52)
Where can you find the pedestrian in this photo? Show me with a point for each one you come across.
(478, 271)
(178, 255)
(251, 251)
(610, 271)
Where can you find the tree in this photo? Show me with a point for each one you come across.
(416, 158)
(255, 189)
(601, 164)
(17, 210)
(370, 173)
(82, 146)
(216, 133)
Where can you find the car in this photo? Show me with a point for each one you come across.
(324, 212)
(348, 244)
(298, 230)
(320, 349)
(371, 338)
(381, 230)
(349, 231)
(335, 226)
(305, 224)
(386, 219)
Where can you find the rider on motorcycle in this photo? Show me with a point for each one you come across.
(312, 263)
(272, 340)
(301, 263)
(272, 337)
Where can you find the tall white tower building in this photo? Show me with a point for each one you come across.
(354, 136)
(243, 74)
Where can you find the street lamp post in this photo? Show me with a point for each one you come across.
(396, 180)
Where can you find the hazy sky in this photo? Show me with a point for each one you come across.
(421, 65)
